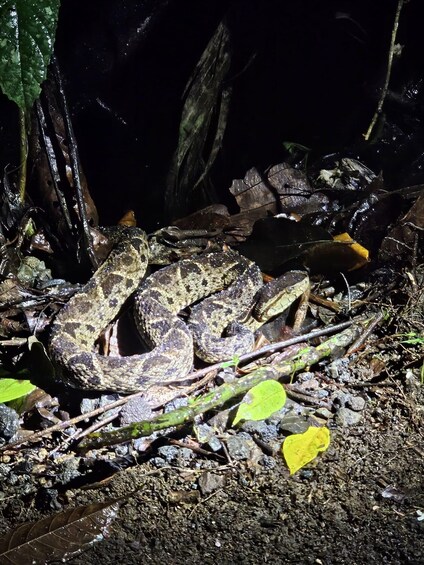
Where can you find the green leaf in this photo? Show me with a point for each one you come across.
(10, 389)
(232, 363)
(27, 32)
(300, 449)
(261, 401)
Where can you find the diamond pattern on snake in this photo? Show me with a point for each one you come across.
(231, 282)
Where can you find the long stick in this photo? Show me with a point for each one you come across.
(222, 394)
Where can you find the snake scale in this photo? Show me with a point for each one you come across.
(157, 302)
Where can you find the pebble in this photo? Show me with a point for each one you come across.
(347, 417)
(135, 410)
(206, 435)
(210, 482)
(239, 446)
(176, 455)
(9, 422)
(268, 461)
(264, 431)
(356, 403)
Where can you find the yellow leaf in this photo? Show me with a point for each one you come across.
(361, 253)
(300, 449)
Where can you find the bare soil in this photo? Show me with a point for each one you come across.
(333, 512)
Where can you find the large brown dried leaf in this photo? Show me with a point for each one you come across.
(61, 536)
(281, 189)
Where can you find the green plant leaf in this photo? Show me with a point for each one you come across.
(261, 401)
(10, 389)
(300, 449)
(27, 32)
(232, 363)
(412, 338)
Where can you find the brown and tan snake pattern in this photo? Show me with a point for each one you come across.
(157, 301)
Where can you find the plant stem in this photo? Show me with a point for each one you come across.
(23, 145)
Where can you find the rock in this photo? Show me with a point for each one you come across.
(268, 462)
(356, 403)
(9, 422)
(206, 435)
(239, 446)
(264, 431)
(177, 455)
(135, 410)
(347, 417)
(169, 453)
(210, 482)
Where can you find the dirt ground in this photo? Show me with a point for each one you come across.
(335, 514)
(359, 503)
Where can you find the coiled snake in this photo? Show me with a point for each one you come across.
(157, 302)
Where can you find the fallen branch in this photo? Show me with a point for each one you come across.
(222, 394)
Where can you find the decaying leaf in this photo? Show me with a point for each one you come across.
(341, 254)
(300, 449)
(281, 189)
(261, 401)
(58, 537)
(362, 255)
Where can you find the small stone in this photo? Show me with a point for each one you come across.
(306, 474)
(9, 422)
(210, 482)
(175, 404)
(268, 461)
(135, 410)
(294, 424)
(238, 447)
(339, 370)
(264, 431)
(184, 455)
(206, 435)
(347, 417)
(169, 453)
(158, 462)
(323, 412)
(356, 403)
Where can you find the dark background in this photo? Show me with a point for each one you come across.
(305, 71)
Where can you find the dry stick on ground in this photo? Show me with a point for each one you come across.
(222, 394)
(209, 373)
(272, 348)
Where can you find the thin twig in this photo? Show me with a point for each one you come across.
(388, 72)
(196, 374)
(364, 335)
(272, 348)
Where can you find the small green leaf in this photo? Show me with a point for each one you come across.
(10, 389)
(412, 338)
(233, 363)
(27, 33)
(261, 401)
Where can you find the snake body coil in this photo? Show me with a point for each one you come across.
(157, 303)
